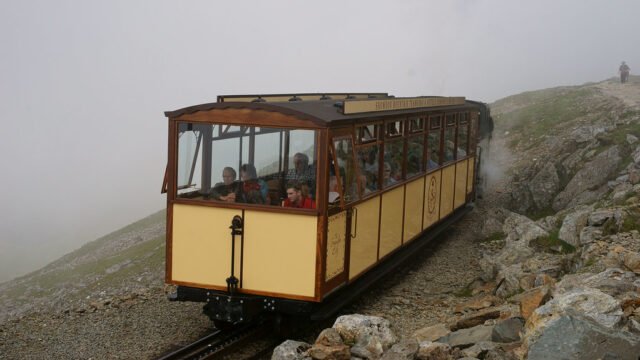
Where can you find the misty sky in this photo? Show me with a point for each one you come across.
(83, 84)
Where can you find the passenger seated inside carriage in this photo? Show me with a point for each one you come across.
(303, 173)
(253, 190)
(228, 189)
(296, 199)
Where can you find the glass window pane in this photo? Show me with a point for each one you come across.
(393, 128)
(229, 147)
(369, 167)
(416, 125)
(462, 139)
(433, 152)
(472, 136)
(246, 164)
(393, 156)
(301, 163)
(367, 133)
(415, 155)
(449, 143)
(189, 171)
(346, 167)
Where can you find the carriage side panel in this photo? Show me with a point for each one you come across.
(470, 174)
(461, 184)
(413, 207)
(201, 248)
(391, 220)
(364, 245)
(446, 197)
(336, 238)
(279, 253)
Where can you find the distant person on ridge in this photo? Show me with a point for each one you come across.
(624, 72)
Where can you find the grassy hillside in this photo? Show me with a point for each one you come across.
(129, 258)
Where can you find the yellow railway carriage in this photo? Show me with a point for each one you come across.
(293, 203)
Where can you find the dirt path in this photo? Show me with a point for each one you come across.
(629, 93)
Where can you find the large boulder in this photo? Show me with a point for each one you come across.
(507, 331)
(521, 197)
(428, 350)
(613, 281)
(592, 175)
(291, 350)
(585, 134)
(329, 346)
(572, 225)
(431, 333)
(404, 350)
(544, 186)
(506, 265)
(520, 229)
(590, 303)
(531, 299)
(369, 335)
(573, 337)
(467, 337)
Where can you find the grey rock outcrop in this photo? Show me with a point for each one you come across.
(570, 337)
(371, 335)
(544, 186)
(507, 331)
(585, 134)
(591, 303)
(592, 175)
(573, 224)
(470, 336)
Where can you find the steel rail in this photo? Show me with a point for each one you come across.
(212, 344)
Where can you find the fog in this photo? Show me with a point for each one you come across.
(83, 84)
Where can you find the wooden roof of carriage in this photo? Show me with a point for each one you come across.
(323, 108)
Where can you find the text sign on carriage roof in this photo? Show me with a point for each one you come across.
(361, 106)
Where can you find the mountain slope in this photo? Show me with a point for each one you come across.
(555, 134)
(118, 263)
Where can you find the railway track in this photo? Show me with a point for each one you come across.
(219, 343)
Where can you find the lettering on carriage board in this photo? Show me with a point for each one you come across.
(360, 106)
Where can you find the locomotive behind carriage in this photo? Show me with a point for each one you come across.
(384, 175)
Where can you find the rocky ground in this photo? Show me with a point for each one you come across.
(550, 250)
(559, 241)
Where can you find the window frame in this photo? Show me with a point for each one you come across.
(435, 127)
(243, 131)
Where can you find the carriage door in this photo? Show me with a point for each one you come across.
(342, 189)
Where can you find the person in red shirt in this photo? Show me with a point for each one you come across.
(295, 199)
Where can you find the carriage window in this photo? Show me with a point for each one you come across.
(301, 145)
(393, 128)
(347, 169)
(367, 133)
(416, 125)
(244, 164)
(393, 160)
(368, 162)
(463, 130)
(450, 138)
(415, 155)
(189, 172)
(473, 131)
(433, 143)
